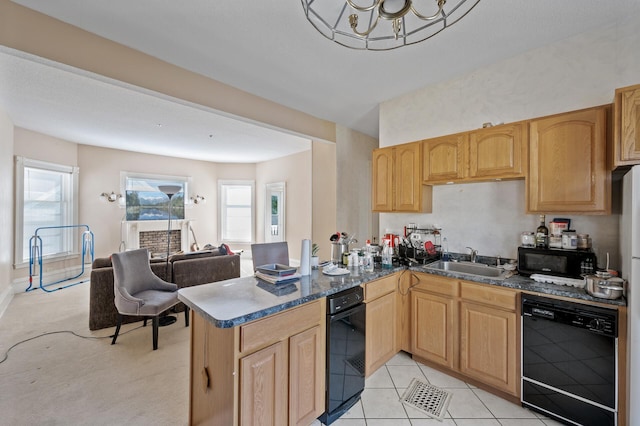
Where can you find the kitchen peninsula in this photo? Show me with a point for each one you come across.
(258, 351)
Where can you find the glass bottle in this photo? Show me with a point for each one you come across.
(542, 234)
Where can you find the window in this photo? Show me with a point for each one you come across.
(145, 201)
(236, 211)
(46, 196)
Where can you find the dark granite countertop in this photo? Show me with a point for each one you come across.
(236, 301)
(526, 284)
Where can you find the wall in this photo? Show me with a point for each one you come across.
(575, 73)
(295, 172)
(6, 209)
(354, 214)
(100, 172)
(326, 195)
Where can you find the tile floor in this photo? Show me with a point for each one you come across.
(469, 406)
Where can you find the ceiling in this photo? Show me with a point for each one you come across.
(266, 48)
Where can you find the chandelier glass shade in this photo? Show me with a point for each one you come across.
(383, 24)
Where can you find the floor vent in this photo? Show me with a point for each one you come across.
(427, 398)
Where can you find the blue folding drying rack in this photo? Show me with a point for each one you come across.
(35, 254)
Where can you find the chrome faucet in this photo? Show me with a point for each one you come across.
(473, 254)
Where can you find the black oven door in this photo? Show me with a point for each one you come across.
(345, 361)
(567, 370)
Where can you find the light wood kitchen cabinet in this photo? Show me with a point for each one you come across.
(381, 326)
(382, 168)
(396, 180)
(626, 127)
(434, 323)
(269, 371)
(488, 336)
(306, 392)
(468, 328)
(444, 159)
(486, 154)
(567, 163)
(498, 152)
(264, 386)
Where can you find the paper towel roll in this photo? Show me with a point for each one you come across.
(305, 258)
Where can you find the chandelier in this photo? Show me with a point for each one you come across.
(357, 23)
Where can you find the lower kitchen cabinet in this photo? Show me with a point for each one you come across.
(269, 372)
(488, 345)
(434, 323)
(469, 328)
(263, 386)
(381, 326)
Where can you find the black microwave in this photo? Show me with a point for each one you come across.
(559, 262)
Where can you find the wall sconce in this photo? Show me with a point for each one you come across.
(113, 197)
(198, 199)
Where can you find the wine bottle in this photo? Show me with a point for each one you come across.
(542, 234)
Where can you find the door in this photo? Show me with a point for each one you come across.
(264, 387)
(408, 187)
(274, 208)
(444, 159)
(567, 165)
(382, 185)
(488, 349)
(381, 332)
(497, 152)
(306, 376)
(433, 331)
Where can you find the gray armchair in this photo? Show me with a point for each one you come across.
(265, 253)
(138, 291)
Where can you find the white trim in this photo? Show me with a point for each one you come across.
(5, 299)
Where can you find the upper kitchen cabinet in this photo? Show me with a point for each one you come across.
(567, 163)
(397, 186)
(444, 159)
(492, 153)
(626, 127)
(498, 152)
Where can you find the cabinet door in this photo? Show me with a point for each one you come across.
(433, 331)
(306, 376)
(488, 349)
(497, 152)
(444, 159)
(408, 187)
(626, 140)
(380, 332)
(264, 386)
(382, 184)
(567, 171)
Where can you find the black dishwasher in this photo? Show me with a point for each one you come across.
(345, 352)
(569, 361)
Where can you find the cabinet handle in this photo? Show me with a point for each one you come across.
(205, 379)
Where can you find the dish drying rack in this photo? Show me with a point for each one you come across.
(413, 245)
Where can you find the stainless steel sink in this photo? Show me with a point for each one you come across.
(469, 268)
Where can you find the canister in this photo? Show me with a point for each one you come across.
(527, 239)
(584, 242)
(569, 240)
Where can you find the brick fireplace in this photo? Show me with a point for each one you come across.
(152, 234)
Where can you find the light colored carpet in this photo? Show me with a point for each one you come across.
(61, 379)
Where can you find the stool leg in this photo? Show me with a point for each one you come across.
(186, 316)
(156, 323)
(118, 324)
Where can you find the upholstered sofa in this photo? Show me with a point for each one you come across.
(185, 270)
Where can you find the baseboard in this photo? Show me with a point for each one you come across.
(5, 299)
(20, 285)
